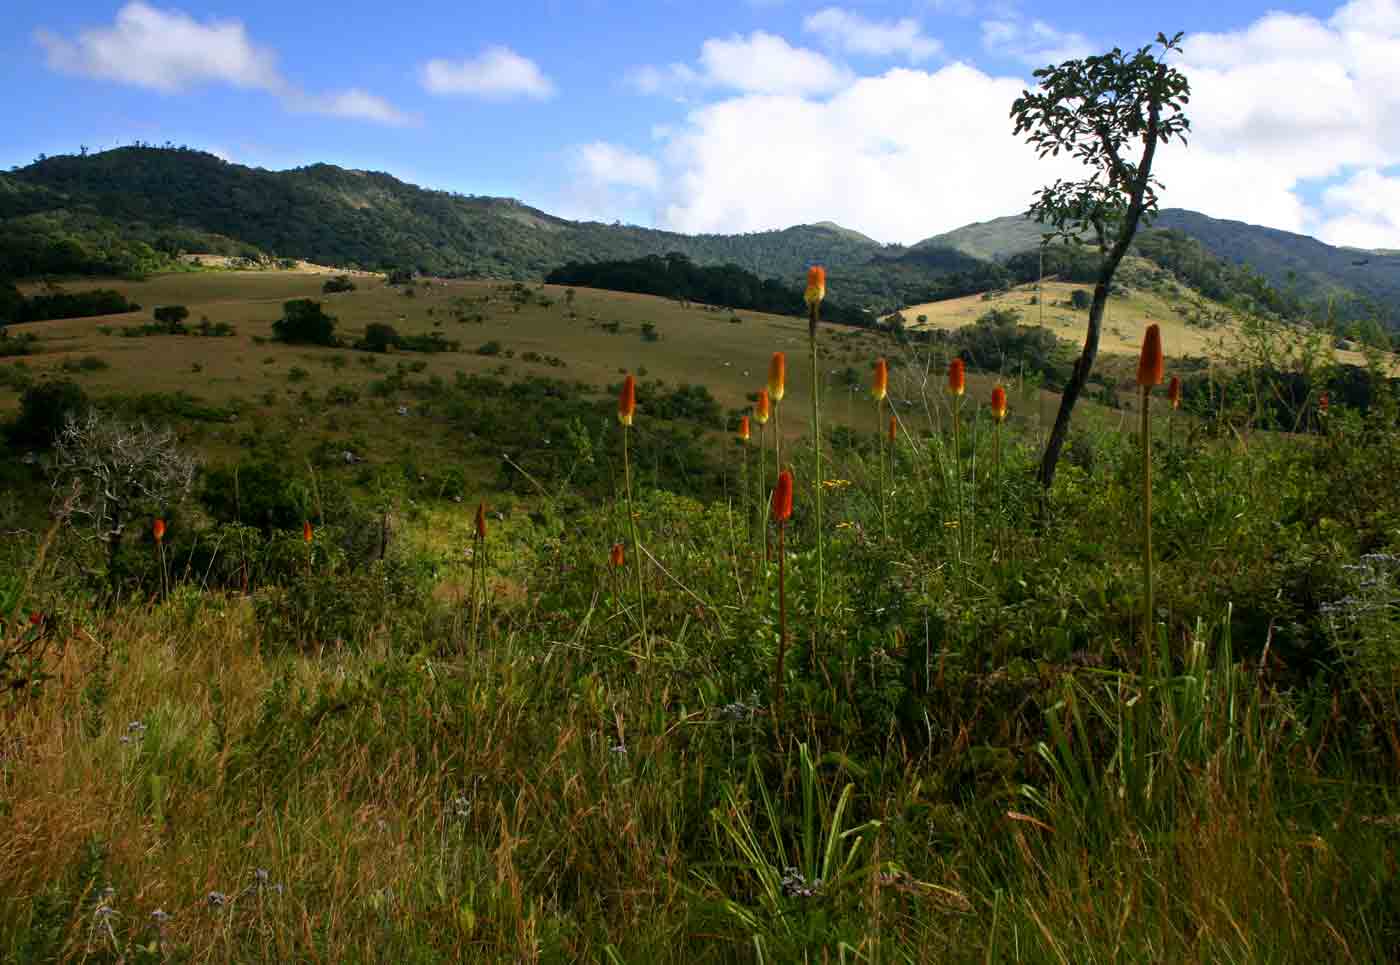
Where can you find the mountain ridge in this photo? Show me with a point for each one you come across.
(127, 208)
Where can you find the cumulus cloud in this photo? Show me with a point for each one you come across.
(1363, 210)
(498, 73)
(1032, 42)
(355, 104)
(1295, 125)
(1286, 106)
(897, 156)
(165, 50)
(607, 164)
(853, 33)
(172, 52)
(758, 63)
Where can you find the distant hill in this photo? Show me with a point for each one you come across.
(1313, 271)
(70, 210)
(137, 210)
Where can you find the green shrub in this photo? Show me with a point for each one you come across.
(304, 322)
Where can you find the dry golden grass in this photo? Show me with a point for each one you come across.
(1125, 320)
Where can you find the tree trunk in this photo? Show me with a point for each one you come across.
(1078, 378)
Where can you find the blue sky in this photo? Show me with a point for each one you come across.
(887, 116)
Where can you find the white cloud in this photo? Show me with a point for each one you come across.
(498, 73)
(171, 52)
(758, 63)
(1363, 211)
(1295, 125)
(1289, 102)
(851, 32)
(868, 157)
(355, 104)
(166, 50)
(602, 163)
(1032, 42)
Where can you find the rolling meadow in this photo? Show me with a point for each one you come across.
(501, 638)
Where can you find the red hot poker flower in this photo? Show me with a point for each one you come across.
(1150, 364)
(957, 377)
(627, 401)
(882, 380)
(999, 404)
(782, 497)
(777, 376)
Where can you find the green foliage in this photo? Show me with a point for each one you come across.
(339, 283)
(676, 276)
(61, 304)
(172, 317)
(304, 322)
(43, 409)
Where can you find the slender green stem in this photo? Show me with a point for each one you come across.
(880, 437)
(777, 437)
(1001, 523)
(636, 540)
(957, 474)
(817, 485)
(1147, 516)
(763, 494)
(782, 631)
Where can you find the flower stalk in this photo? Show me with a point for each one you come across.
(626, 410)
(1149, 374)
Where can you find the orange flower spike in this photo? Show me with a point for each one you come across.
(777, 376)
(481, 520)
(782, 497)
(762, 407)
(882, 380)
(158, 528)
(627, 401)
(1174, 392)
(894, 429)
(957, 377)
(1322, 402)
(999, 404)
(306, 532)
(1150, 363)
(816, 286)
(744, 428)
(618, 556)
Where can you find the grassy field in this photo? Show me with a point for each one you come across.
(727, 352)
(238, 744)
(1125, 319)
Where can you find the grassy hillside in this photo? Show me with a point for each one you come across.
(174, 198)
(1187, 329)
(1362, 283)
(397, 741)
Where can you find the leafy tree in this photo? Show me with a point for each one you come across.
(11, 302)
(1096, 110)
(379, 337)
(304, 322)
(340, 283)
(44, 409)
(172, 317)
(1079, 299)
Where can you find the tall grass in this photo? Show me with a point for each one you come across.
(979, 771)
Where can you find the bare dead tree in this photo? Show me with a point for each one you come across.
(106, 473)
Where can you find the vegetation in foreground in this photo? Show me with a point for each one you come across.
(293, 741)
